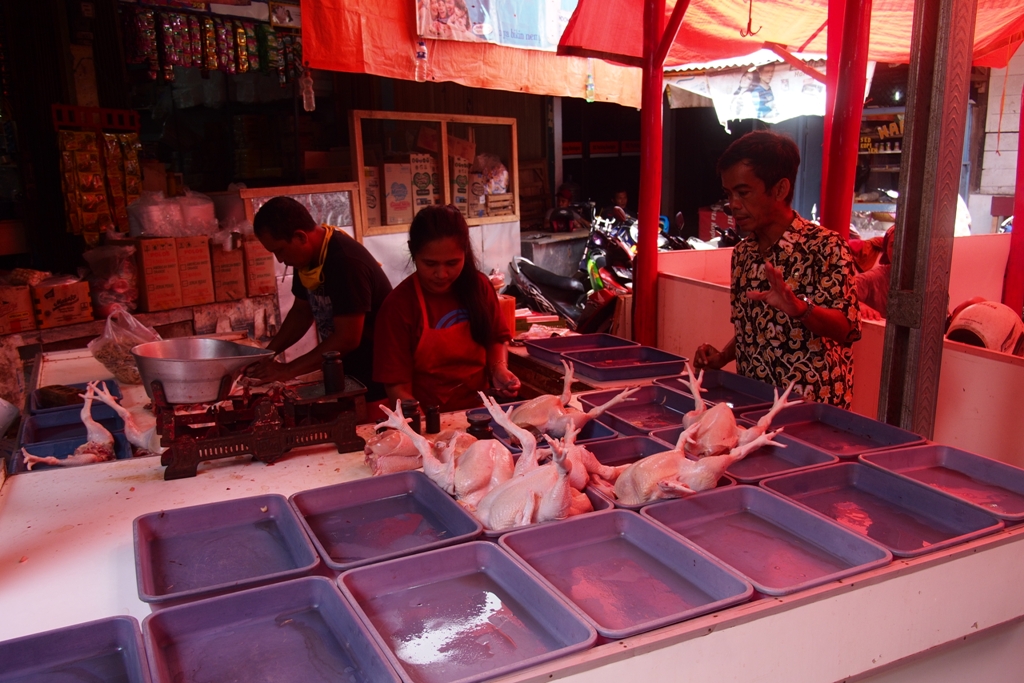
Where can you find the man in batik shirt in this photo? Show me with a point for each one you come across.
(794, 306)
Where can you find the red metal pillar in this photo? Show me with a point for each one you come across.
(836, 10)
(645, 268)
(1013, 284)
(844, 138)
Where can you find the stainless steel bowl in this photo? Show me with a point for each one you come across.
(191, 369)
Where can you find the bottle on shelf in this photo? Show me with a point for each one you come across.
(421, 60)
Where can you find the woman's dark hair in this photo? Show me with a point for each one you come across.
(281, 218)
(771, 156)
(438, 222)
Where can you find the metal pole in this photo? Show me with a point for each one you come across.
(836, 10)
(844, 134)
(940, 68)
(645, 268)
(1013, 285)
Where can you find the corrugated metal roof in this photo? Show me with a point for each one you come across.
(759, 58)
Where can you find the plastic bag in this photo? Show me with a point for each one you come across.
(154, 215)
(113, 347)
(114, 278)
(198, 216)
(494, 172)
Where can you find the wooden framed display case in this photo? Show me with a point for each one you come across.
(404, 161)
(337, 204)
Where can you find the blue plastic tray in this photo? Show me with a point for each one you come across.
(777, 545)
(551, 350)
(625, 362)
(741, 393)
(299, 630)
(112, 386)
(996, 487)
(380, 518)
(62, 425)
(592, 431)
(108, 650)
(461, 614)
(61, 450)
(767, 461)
(837, 431)
(650, 408)
(629, 449)
(624, 574)
(205, 550)
(908, 518)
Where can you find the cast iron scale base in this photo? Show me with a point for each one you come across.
(265, 425)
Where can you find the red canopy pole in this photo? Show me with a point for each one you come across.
(836, 9)
(1013, 284)
(645, 268)
(844, 138)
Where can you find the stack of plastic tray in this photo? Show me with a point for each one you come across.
(35, 400)
(837, 431)
(61, 450)
(746, 527)
(298, 630)
(908, 518)
(205, 550)
(993, 486)
(551, 350)
(58, 432)
(648, 409)
(381, 518)
(719, 386)
(625, 363)
(624, 574)
(104, 650)
(594, 430)
(462, 614)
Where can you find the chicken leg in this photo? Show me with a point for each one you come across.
(99, 445)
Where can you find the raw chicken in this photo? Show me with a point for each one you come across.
(467, 476)
(99, 445)
(549, 414)
(391, 451)
(147, 440)
(672, 475)
(584, 464)
(716, 429)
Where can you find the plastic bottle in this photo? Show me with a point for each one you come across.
(590, 88)
(306, 87)
(421, 60)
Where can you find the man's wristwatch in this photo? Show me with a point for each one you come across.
(807, 311)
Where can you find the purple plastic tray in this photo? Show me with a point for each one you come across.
(726, 387)
(908, 518)
(777, 545)
(61, 425)
(650, 408)
(206, 550)
(594, 430)
(108, 650)
(380, 518)
(629, 449)
(996, 487)
(299, 630)
(111, 385)
(625, 362)
(624, 574)
(767, 461)
(61, 450)
(596, 499)
(464, 613)
(551, 350)
(837, 431)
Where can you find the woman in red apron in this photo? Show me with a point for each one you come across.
(440, 335)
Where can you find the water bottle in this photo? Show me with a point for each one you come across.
(306, 87)
(421, 60)
(590, 88)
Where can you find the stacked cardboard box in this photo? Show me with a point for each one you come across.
(260, 278)
(228, 274)
(195, 270)
(61, 304)
(397, 194)
(372, 175)
(460, 184)
(16, 314)
(159, 280)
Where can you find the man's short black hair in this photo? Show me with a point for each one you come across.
(771, 156)
(281, 218)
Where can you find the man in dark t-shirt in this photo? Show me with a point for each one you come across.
(338, 286)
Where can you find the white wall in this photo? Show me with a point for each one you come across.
(999, 165)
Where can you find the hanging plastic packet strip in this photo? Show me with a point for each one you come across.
(252, 46)
(195, 38)
(241, 47)
(182, 45)
(209, 44)
(146, 26)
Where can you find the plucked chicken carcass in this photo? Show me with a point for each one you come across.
(584, 463)
(147, 440)
(716, 429)
(541, 493)
(468, 475)
(672, 475)
(549, 414)
(391, 451)
(99, 445)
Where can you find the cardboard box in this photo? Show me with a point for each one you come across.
(260, 278)
(424, 174)
(195, 270)
(159, 282)
(477, 203)
(57, 305)
(460, 184)
(228, 274)
(372, 175)
(397, 194)
(16, 314)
